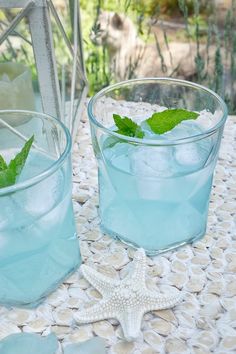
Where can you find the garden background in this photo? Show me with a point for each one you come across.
(206, 23)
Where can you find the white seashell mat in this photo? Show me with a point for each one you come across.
(204, 322)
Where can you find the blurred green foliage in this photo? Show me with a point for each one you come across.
(198, 21)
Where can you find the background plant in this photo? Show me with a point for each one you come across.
(197, 21)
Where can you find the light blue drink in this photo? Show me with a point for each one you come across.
(154, 189)
(38, 242)
(156, 197)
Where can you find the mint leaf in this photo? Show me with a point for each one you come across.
(17, 164)
(3, 164)
(162, 122)
(9, 174)
(127, 127)
(7, 178)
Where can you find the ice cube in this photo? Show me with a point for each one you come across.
(22, 343)
(42, 197)
(192, 156)
(118, 156)
(150, 167)
(185, 129)
(207, 120)
(188, 154)
(92, 346)
(148, 161)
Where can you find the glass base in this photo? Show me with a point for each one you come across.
(30, 305)
(153, 252)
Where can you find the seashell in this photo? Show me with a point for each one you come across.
(7, 328)
(20, 316)
(195, 284)
(185, 319)
(153, 339)
(94, 235)
(230, 289)
(72, 279)
(60, 331)
(155, 271)
(58, 297)
(215, 287)
(177, 279)
(37, 326)
(93, 294)
(205, 323)
(178, 266)
(207, 339)
(123, 348)
(149, 350)
(103, 329)
(184, 333)
(224, 327)
(175, 345)
(79, 334)
(209, 311)
(228, 343)
(228, 302)
(108, 271)
(77, 293)
(200, 260)
(161, 326)
(198, 349)
(63, 317)
(167, 315)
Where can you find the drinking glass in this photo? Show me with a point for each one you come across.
(38, 240)
(154, 192)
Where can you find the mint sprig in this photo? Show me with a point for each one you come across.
(160, 122)
(10, 173)
(3, 164)
(165, 121)
(127, 127)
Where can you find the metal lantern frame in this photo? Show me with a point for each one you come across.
(52, 95)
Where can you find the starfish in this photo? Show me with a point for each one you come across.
(126, 300)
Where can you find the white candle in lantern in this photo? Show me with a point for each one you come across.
(16, 91)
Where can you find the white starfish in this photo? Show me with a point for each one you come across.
(126, 300)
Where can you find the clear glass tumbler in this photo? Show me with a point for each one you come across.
(38, 241)
(154, 192)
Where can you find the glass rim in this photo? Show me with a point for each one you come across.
(52, 168)
(155, 142)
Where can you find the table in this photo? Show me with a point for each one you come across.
(204, 322)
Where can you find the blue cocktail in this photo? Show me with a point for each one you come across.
(154, 192)
(38, 241)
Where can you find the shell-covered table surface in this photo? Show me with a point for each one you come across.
(203, 322)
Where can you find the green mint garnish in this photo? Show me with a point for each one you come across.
(3, 164)
(9, 173)
(127, 127)
(162, 122)
(159, 123)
